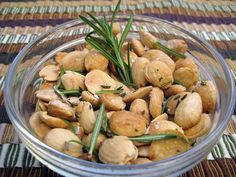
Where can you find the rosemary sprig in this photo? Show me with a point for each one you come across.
(169, 51)
(148, 138)
(103, 40)
(97, 128)
(60, 94)
(74, 92)
(109, 91)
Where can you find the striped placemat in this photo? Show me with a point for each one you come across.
(22, 21)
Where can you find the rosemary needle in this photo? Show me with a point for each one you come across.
(148, 138)
(97, 128)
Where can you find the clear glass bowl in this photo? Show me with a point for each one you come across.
(22, 81)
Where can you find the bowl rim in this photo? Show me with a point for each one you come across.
(196, 150)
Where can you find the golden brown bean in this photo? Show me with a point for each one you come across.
(138, 74)
(95, 60)
(95, 79)
(158, 74)
(127, 123)
(156, 99)
(137, 47)
(74, 61)
(139, 93)
(140, 106)
(57, 108)
(39, 127)
(188, 111)
(117, 150)
(49, 72)
(113, 102)
(174, 89)
(73, 80)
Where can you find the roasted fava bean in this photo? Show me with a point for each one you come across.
(46, 95)
(138, 74)
(156, 99)
(208, 93)
(49, 72)
(140, 106)
(155, 54)
(186, 76)
(53, 122)
(137, 46)
(57, 108)
(38, 126)
(188, 62)
(127, 123)
(165, 126)
(59, 139)
(89, 97)
(113, 102)
(116, 28)
(163, 149)
(95, 79)
(201, 128)
(158, 74)
(87, 117)
(74, 61)
(174, 89)
(95, 60)
(73, 80)
(148, 39)
(163, 116)
(59, 56)
(139, 93)
(188, 111)
(174, 101)
(117, 150)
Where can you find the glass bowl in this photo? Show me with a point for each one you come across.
(22, 81)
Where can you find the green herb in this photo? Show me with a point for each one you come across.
(103, 40)
(70, 126)
(203, 83)
(106, 86)
(148, 138)
(97, 128)
(110, 91)
(60, 94)
(75, 92)
(169, 51)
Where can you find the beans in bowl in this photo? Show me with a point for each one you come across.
(122, 101)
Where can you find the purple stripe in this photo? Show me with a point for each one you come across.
(167, 16)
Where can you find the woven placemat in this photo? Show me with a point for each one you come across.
(22, 21)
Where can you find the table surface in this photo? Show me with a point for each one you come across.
(22, 21)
